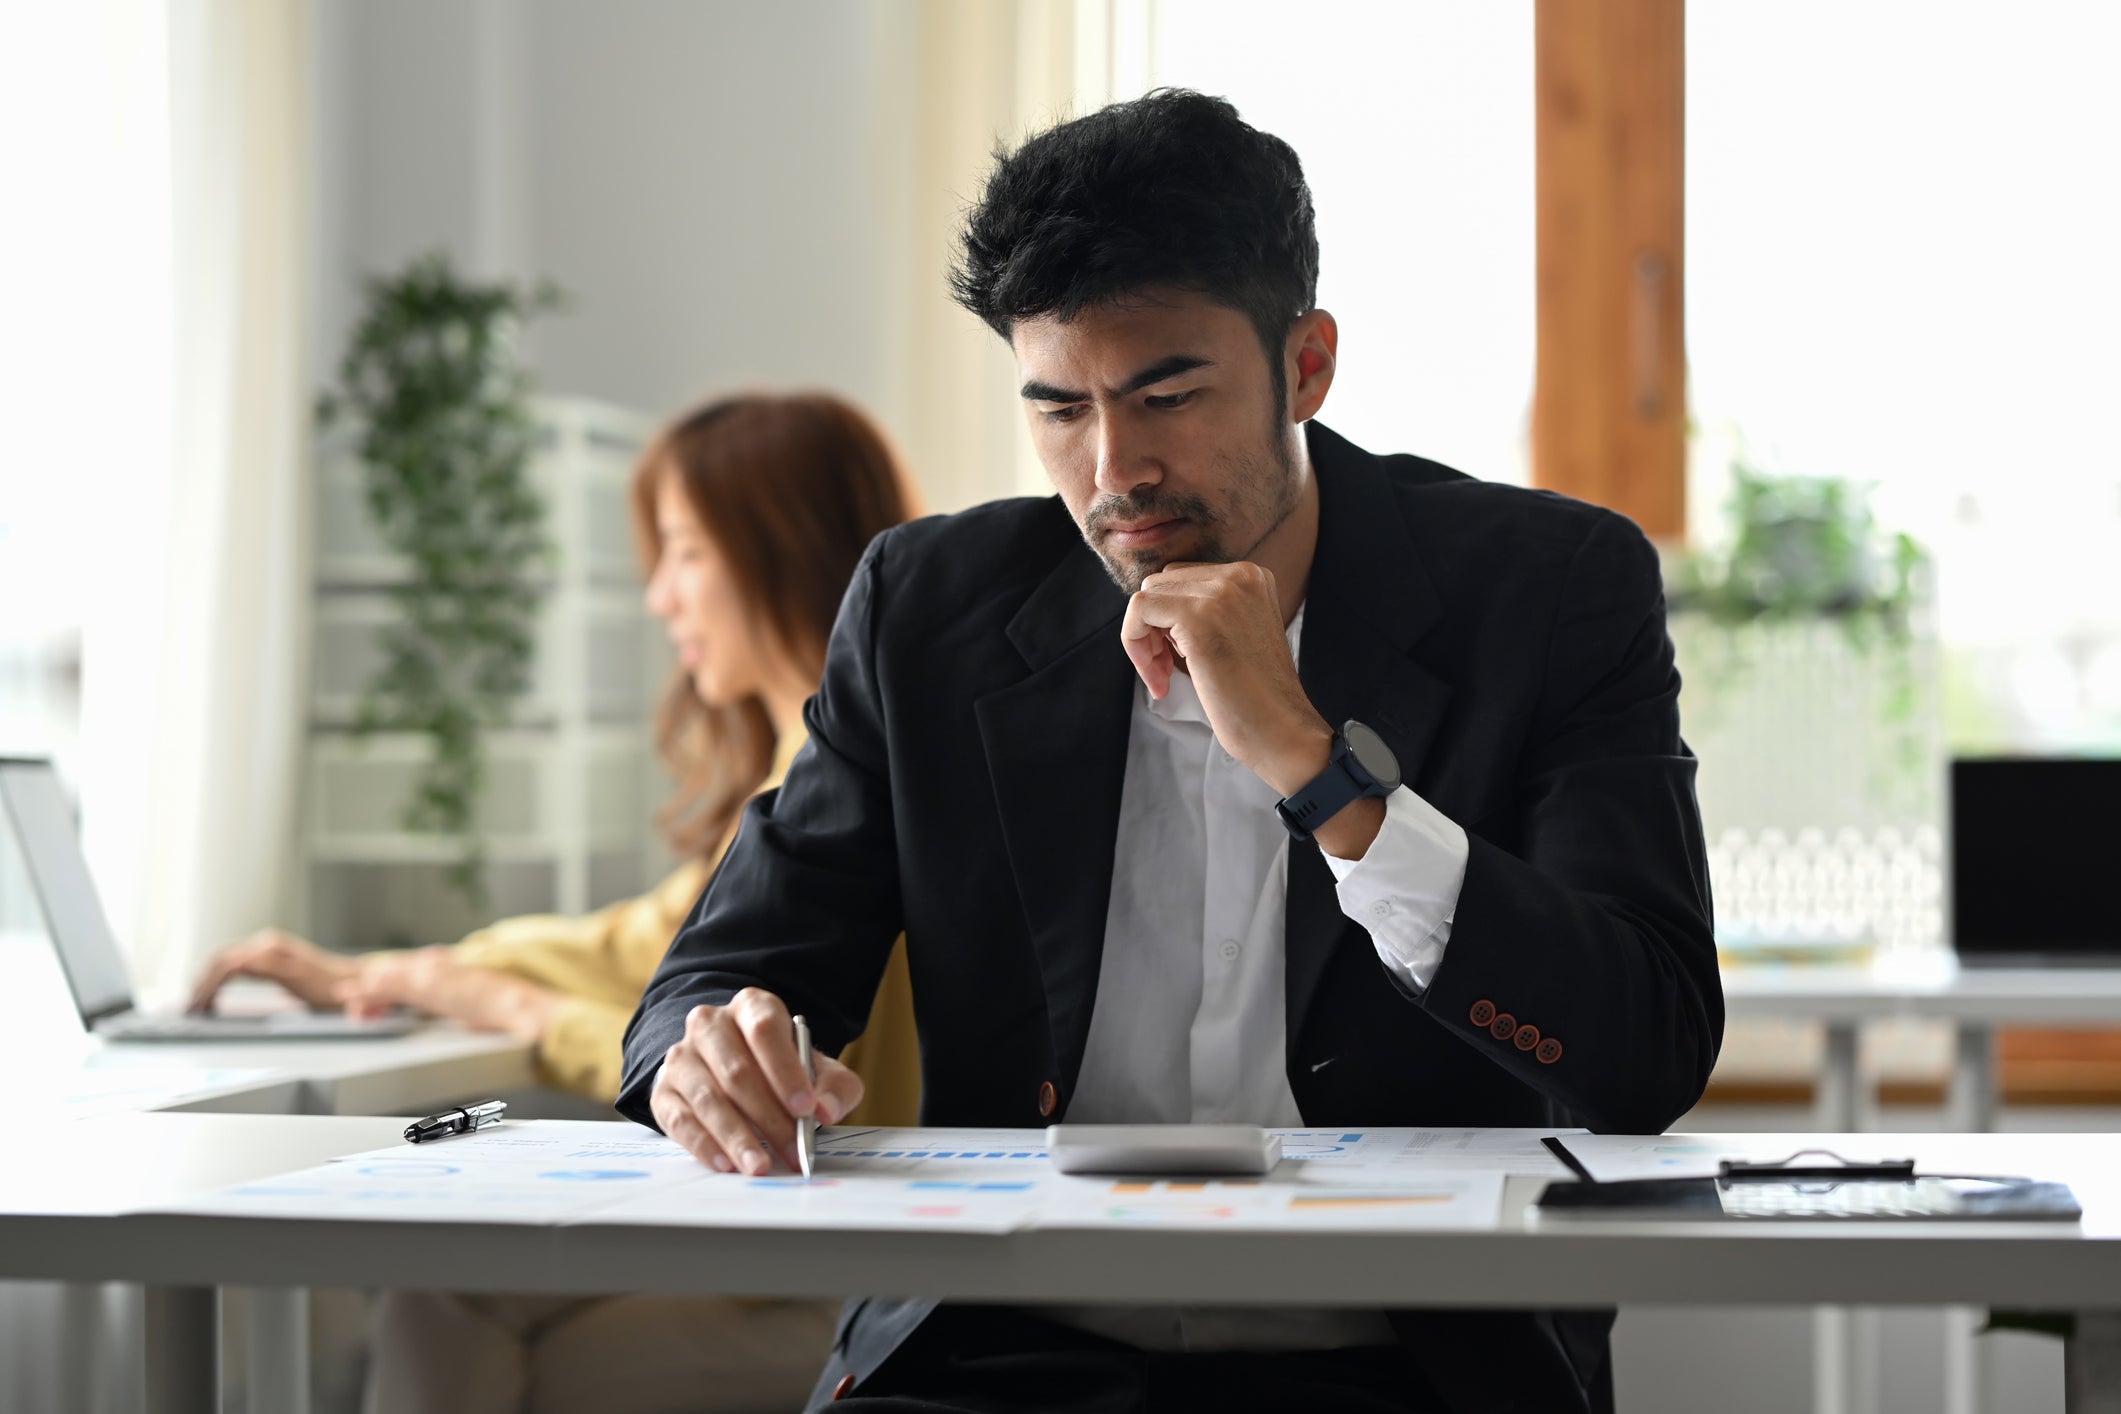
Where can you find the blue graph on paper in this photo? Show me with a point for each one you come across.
(594, 1175)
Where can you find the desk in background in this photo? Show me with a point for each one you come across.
(1977, 1002)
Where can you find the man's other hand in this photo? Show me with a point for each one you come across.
(732, 1090)
(1223, 625)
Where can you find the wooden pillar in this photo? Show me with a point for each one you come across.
(1609, 398)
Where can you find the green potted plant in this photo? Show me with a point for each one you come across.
(438, 402)
(1806, 550)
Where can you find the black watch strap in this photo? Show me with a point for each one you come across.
(1344, 781)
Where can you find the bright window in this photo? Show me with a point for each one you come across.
(1413, 119)
(1901, 233)
(85, 278)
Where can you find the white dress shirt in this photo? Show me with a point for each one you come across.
(1189, 1025)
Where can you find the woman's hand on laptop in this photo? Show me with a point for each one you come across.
(295, 963)
(433, 981)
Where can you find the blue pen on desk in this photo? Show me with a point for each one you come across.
(462, 1120)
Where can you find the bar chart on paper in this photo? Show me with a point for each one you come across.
(942, 1180)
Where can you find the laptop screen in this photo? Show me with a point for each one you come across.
(2034, 840)
(35, 809)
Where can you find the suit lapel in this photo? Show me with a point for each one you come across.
(1056, 746)
(1368, 603)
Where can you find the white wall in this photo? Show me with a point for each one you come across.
(704, 180)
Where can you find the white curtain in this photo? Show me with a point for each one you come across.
(155, 399)
(194, 649)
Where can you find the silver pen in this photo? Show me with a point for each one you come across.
(806, 1125)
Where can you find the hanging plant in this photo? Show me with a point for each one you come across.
(439, 400)
(1805, 548)
(1808, 549)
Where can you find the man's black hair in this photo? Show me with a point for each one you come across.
(1171, 189)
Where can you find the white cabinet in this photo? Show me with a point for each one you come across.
(567, 810)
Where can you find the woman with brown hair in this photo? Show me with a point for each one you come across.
(752, 513)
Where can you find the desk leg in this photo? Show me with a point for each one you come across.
(1844, 1339)
(1844, 1360)
(1973, 1109)
(183, 1330)
(1965, 1359)
(2091, 1365)
(1840, 1088)
(279, 1350)
(1974, 1078)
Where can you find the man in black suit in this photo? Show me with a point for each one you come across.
(1254, 777)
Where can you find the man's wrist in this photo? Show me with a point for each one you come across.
(1353, 828)
(1308, 752)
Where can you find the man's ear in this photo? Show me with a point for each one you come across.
(1310, 358)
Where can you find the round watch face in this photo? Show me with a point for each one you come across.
(1371, 753)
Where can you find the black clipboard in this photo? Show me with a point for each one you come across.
(1788, 1191)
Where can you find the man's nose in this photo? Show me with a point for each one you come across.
(1124, 460)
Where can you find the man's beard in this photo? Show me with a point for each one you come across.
(1263, 492)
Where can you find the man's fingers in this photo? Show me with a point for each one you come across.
(683, 1075)
(1153, 661)
(693, 1136)
(839, 1090)
(698, 1078)
(1148, 646)
(769, 1031)
(674, 1113)
(742, 1087)
(732, 1089)
(733, 1130)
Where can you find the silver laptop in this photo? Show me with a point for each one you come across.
(34, 806)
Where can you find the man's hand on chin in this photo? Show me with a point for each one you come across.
(1222, 625)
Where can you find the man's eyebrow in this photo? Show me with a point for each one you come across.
(1155, 373)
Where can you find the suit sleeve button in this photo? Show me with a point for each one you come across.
(1549, 1051)
(841, 1390)
(1527, 1036)
(1483, 1012)
(1503, 1026)
(1048, 1097)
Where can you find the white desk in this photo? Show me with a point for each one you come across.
(41, 1043)
(418, 1072)
(1975, 1000)
(66, 1226)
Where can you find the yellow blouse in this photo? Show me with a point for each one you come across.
(603, 962)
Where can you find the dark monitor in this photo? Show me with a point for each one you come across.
(2035, 843)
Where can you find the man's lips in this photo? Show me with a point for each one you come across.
(1140, 536)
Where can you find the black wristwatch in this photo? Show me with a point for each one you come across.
(1361, 765)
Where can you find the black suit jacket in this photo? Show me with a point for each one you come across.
(962, 784)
